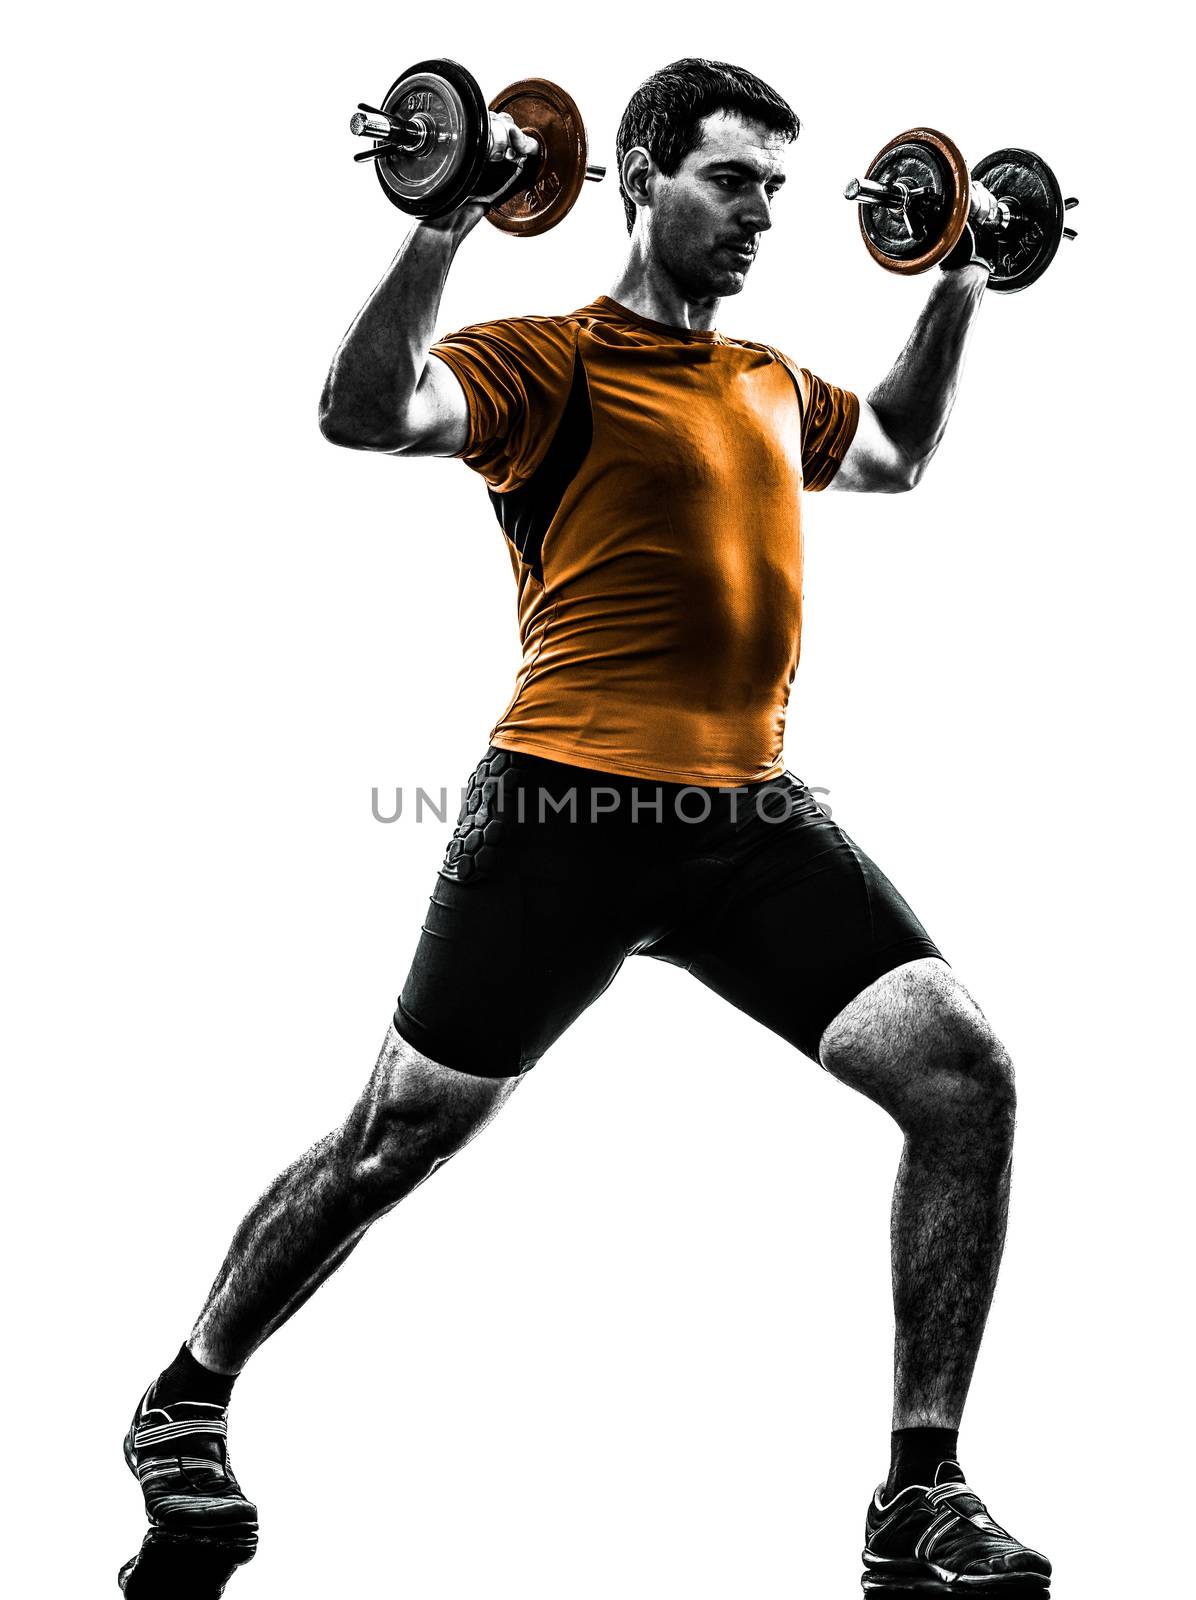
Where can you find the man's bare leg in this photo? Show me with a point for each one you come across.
(917, 1044)
(412, 1116)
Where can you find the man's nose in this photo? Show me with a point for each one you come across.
(757, 212)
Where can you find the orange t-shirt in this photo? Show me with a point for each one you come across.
(648, 480)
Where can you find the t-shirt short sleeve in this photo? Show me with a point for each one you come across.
(516, 376)
(828, 427)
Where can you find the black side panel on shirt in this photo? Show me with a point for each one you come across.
(526, 513)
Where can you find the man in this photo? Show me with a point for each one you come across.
(647, 473)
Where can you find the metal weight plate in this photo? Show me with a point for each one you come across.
(431, 182)
(932, 168)
(543, 108)
(1026, 248)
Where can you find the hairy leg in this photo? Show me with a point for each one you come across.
(412, 1116)
(918, 1045)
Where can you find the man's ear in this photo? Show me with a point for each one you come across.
(636, 173)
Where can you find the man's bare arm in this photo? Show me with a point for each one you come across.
(382, 391)
(905, 416)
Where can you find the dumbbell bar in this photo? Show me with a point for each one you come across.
(918, 196)
(438, 145)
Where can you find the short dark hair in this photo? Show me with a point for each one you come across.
(664, 113)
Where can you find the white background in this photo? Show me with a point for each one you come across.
(635, 1340)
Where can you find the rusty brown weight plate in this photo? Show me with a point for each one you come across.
(929, 160)
(543, 108)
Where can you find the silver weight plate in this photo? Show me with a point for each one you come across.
(416, 174)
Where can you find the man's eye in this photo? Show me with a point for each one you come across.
(727, 181)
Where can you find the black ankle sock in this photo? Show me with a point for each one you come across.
(188, 1379)
(916, 1453)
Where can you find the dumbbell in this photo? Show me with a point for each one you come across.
(436, 145)
(918, 196)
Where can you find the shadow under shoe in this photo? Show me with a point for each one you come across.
(184, 1566)
(940, 1540)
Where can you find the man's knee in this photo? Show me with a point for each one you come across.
(919, 1045)
(975, 1086)
(414, 1114)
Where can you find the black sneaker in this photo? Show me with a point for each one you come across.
(941, 1540)
(201, 1525)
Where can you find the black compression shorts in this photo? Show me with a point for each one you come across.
(555, 874)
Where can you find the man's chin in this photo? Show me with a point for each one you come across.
(712, 280)
(724, 281)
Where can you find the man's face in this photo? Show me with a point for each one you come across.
(705, 220)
